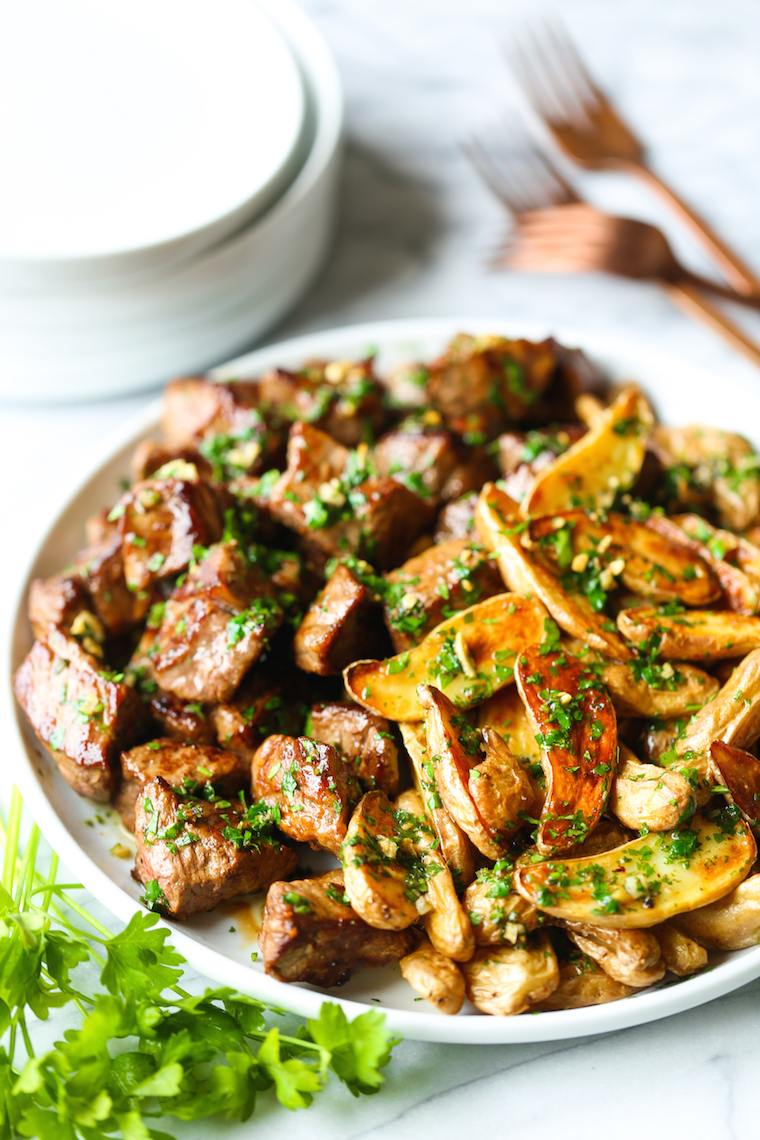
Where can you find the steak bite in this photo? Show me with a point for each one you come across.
(310, 933)
(431, 461)
(457, 519)
(254, 712)
(313, 788)
(341, 397)
(160, 523)
(363, 737)
(55, 602)
(83, 716)
(334, 499)
(192, 854)
(214, 627)
(481, 384)
(100, 567)
(187, 768)
(182, 720)
(343, 624)
(436, 584)
(522, 455)
(150, 455)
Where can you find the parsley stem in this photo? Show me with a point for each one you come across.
(52, 872)
(25, 1035)
(26, 872)
(11, 841)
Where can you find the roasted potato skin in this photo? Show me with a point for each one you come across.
(632, 957)
(731, 923)
(699, 635)
(435, 977)
(376, 882)
(646, 796)
(526, 570)
(497, 913)
(632, 697)
(578, 757)
(681, 955)
(507, 980)
(740, 773)
(739, 592)
(583, 983)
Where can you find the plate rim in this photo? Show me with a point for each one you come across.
(476, 1029)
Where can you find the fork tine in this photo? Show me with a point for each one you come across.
(535, 86)
(565, 50)
(503, 188)
(566, 89)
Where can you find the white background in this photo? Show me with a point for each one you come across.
(416, 230)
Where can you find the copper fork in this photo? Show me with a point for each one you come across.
(555, 231)
(591, 131)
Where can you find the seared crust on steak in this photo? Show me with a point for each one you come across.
(363, 737)
(342, 625)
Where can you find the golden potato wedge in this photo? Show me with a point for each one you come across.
(446, 923)
(434, 977)
(384, 879)
(699, 635)
(681, 954)
(506, 980)
(470, 656)
(740, 773)
(455, 750)
(724, 544)
(648, 880)
(632, 957)
(506, 712)
(684, 689)
(615, 547)
(733, 716)
(646, 796)
(456, 848)
(497, 913)
(527, 570)
(659, 737)
(583, 983)
(740, 593)
(575, 725)
(732, 923)
(499, 787)
(589, 409)
(604, 461)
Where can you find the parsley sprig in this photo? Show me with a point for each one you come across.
(141, 1046)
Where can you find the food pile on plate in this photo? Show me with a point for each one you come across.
(479, 630)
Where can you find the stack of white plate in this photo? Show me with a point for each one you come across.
(168, 188)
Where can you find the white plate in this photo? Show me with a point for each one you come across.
(681, 394)
(137, 133)
(86, 342)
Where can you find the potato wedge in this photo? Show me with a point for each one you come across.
(528, 571)
(455, 751)
(573, 716)
(499, 786)
(497, 913)
(470, 656)
(434, 977)
(699, 635)
(583, 983)
(456, 848)
(646, 796)
(619, 547)
(681, 954)
(632, 957)
(506, 980)
(733, 716)
(732, 923)
(723, 544)
(446, 923)
(740, 593)
(648, 880)
(740, 773)
(723, 467)
(604, 461)
(384, 880)
(506, 712)
(685, 689)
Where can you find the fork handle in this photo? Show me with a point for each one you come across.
(740, 275)
(693, 302)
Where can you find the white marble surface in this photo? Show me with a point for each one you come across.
(417, 226)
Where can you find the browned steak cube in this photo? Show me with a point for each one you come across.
(257, 710)
(342, 397)
(522, 456)
(405, 385)
(83, 715)
(214, 627)
(341, 625)
(310, 933)
(150, 455)
(182, 720)
(101, 568)
(55, 602)
(333, 499)
(161, 521)
(436, 584)
(457, 519)
(422, 459)
(192, 854)
(313, 788)
(185, 767)
(363, 737)
(481, 384)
